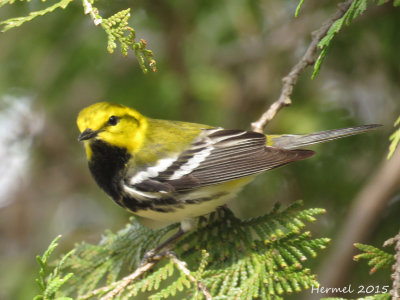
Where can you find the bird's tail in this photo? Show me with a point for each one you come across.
(295, 141)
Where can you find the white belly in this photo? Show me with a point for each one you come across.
(183, 212)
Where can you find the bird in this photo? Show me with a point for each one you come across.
(167, 172)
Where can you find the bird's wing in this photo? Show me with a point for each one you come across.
(216, 156)
(295, 141)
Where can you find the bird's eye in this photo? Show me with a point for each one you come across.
(113, 120)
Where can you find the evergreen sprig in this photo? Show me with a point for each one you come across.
(50, 284)
(18, 21)
(356, 8)
(4, 2)
(227, 258)
(376, 257)
(394, 138)
(116, 28)
(261, 257)
(105, 262)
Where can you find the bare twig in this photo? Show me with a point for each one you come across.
(124, 282)
(150, 258)
(181, 265)
(395, 292)
(92, 11)
(117, 287)
(290, 80)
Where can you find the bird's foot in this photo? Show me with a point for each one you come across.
(156, 254)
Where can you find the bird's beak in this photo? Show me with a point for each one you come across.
(87, 134)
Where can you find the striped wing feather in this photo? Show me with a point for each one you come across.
(218, 156)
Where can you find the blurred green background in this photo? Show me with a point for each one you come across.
(219, 63)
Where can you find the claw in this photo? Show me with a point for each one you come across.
(152, 254)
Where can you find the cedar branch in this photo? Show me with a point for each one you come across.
(181, 265)
(308, 59)
(114, 289)
(122, 284)
(395, 292)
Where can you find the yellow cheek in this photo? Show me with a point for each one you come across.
(131, 141)
(127, 135)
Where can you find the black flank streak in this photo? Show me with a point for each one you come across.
(135, 205)
(164, 210)
(150, 185)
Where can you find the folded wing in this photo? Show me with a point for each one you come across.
(216, 156)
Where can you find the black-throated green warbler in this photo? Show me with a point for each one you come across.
(169, 171)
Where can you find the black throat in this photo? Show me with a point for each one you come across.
(108, 166)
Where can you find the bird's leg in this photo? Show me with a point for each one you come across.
(171, 241)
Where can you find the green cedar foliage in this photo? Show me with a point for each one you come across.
(357, 7)
(377, 259)
(116, 27)
(394, 138)
(260, 258)
(49, 284)
(18, 21)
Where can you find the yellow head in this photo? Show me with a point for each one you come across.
(114, 124)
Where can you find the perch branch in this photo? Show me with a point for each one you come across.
(181, 265)
(124, 282)
(308, 59)
(114, 289)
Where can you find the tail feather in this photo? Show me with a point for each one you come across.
(296, 141)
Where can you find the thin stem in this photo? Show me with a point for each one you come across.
(289, 81)
(92, 11)
(127, 280)
(181, 265)
(395, 292)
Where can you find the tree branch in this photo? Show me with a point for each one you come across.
(395, 292)
(181, 265)
(124, 282)
(289, 81)
(117, 287)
